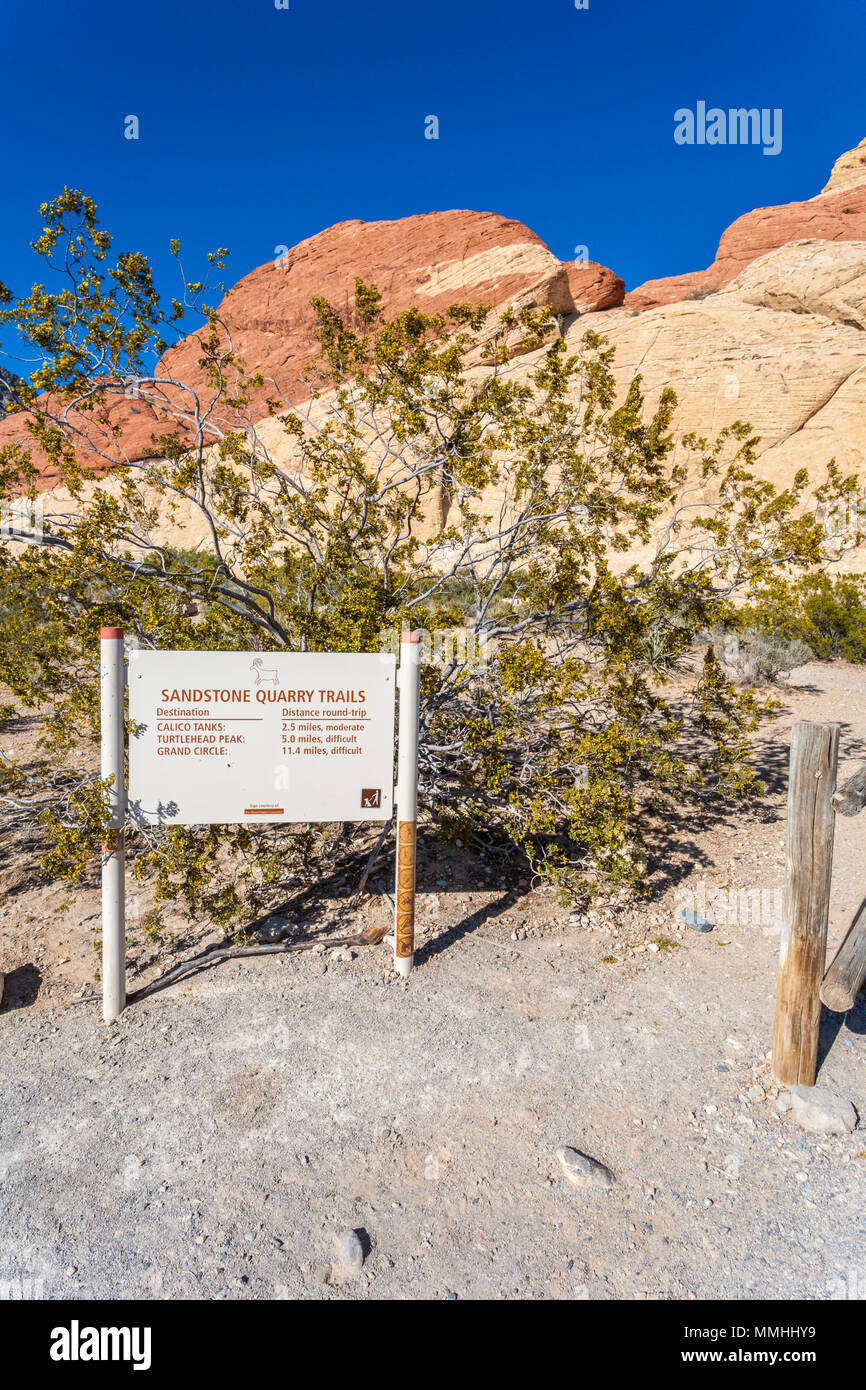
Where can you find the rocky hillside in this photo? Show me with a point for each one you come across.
(433, 260)
(782, 346)
(772, 332)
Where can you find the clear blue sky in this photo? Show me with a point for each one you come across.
(259, 127)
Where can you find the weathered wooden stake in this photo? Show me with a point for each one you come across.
(848, 971)
(811, 819)
(850, 799)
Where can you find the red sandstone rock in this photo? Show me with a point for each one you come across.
(835, 215)
(593, 286)
(829, 217)
(436, 259)
(693, 285)
(431, 260)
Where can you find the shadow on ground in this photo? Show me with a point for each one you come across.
(22, 988)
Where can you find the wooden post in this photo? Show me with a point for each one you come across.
(848, 971)
(811, 820)
(850, 799)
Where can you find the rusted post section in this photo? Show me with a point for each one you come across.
(811, 819)
(407, 802)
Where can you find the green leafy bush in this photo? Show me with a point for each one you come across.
(825, 612)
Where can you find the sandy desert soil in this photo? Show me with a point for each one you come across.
(211, 1143)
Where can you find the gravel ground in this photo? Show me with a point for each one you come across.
(214, 1142)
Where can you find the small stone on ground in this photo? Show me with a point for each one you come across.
(817, 1109)
(582, 1170)
(349, 1257)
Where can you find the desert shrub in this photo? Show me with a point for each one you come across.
(423, 483)
(825, 612)
(752, 656)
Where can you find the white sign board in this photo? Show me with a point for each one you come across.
(248, 737)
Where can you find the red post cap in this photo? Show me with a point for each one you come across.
(109, 633)
(410, 637)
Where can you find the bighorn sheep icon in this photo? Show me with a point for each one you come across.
(263, 677)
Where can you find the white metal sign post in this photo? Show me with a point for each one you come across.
(111, 677)
(247, 737)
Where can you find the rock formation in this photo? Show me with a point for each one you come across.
(431, 260)
(849, 169)
(774, 332)
(783, 347)
(838, 213)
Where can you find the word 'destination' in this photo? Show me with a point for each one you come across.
(237, 737)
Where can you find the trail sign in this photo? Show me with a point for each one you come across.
(241, 737)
